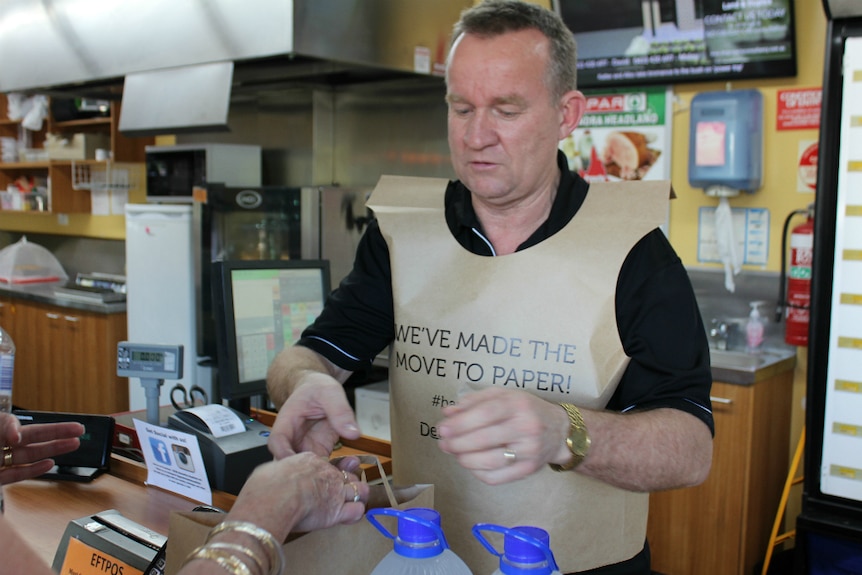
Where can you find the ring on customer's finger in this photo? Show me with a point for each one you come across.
(355, 492)
(7, 456)
(346, 477)
(510, 455)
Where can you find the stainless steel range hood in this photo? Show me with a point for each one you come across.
(92, 47)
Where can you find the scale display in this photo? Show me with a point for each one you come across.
(149, 361)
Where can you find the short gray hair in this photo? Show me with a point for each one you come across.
(495, 17)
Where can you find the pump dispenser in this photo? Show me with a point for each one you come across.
(755, 327)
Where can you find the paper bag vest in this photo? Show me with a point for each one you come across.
(540, 320)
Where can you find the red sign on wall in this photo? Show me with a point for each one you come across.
(799, 109)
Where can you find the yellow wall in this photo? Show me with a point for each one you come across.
(779, 192)
(780, 148)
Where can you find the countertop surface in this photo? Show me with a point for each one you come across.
(740, 367)
(45, 293)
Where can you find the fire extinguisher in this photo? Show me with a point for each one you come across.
(795, 306)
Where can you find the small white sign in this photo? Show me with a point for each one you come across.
(422, 60)
(174, 461)
(750, 230)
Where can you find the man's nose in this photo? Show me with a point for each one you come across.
(481, 131)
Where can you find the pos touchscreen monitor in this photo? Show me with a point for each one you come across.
(261, 307)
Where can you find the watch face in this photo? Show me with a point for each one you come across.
(579, 442)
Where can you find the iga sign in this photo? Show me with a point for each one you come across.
(799, 109)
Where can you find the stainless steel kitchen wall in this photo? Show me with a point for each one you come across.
(347, 135)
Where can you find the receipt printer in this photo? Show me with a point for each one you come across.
(232, 444)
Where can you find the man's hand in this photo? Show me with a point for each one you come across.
(313, 418)
(503, 435)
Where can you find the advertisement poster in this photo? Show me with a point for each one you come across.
(624, 135)
(798, 109)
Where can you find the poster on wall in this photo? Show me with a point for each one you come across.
(625, 134)
(798, 109)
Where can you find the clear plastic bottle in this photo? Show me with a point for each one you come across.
(526, 549)
(420, 548)
(7, 368)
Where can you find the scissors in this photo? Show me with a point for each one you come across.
(189, 398)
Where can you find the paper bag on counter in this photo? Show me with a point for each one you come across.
(353, 548)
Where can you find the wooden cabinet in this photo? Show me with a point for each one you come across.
(722, 526)
(71, 182)
(66, 359)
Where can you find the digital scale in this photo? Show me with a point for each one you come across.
(153, 364)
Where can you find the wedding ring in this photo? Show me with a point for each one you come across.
(510, 455)
(346, 477)
(7, 456)
(355, 492)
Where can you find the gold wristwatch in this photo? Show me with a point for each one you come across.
(578, 440)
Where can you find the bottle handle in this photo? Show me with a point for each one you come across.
(372, 513)
(480, 527)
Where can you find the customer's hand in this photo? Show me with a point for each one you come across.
(313, 418)
(303, 492)
(28, 449)
(502, 435)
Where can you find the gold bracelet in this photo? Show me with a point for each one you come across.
(275, 551)
(242, 549)
(224, 559)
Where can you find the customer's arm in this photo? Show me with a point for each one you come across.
(302, 493)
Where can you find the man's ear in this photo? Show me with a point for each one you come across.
(573, 104)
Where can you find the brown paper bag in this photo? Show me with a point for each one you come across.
(353, 548)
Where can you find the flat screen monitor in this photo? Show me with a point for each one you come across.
(637, 42)
(261, 307)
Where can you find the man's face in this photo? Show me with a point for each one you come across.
(504, 128)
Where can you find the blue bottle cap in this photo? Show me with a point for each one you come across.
(419, 533)
(523, 552)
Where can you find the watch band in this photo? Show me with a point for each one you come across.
(577, 440)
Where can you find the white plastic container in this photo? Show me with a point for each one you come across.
(726, 142)
(526, 549)
(420, 548)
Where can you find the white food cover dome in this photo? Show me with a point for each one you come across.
(24, 262)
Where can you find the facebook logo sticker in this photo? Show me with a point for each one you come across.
(160, 451)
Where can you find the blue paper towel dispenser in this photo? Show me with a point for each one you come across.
(726, 142)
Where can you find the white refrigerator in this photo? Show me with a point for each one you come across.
(160, 281)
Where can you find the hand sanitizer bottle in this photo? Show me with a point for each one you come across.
(754, 328)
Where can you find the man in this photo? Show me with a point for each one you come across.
(572, 366)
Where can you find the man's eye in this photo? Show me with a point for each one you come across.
(507, 112)
(460, 111)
